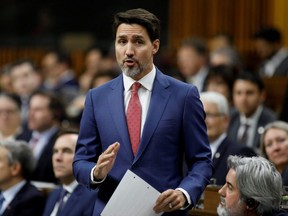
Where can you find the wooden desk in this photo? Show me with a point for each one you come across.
(210, 201)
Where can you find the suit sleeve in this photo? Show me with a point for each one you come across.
(197, 147)
(88, 147)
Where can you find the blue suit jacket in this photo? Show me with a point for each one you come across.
(78, 204)
(174, 129)
(226, 148)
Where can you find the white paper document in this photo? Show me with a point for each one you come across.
(133, 196)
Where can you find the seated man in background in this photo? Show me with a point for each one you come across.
(251, 115)
(18, 197)
(76, 200)
(272, 52)
(253, 187)
(217, 120)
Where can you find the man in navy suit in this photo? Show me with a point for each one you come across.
(217, 120)
(21, 198)
(250, 111)
(46, 113)
(76, 201)
(172, 125)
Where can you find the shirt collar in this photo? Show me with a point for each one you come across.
(214, 145)
(10, 193)
(146, 81)
(71, 187)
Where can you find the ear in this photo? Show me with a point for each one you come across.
(156, 45)
(251, 204)
(15, 169)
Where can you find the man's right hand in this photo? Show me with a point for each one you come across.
(106, 161)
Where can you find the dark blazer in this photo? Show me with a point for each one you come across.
(284, 175)
(280, 71)
(44, 168)
(226, 148)
(175, 121)
(266, 117)
(80, 203)
(27, 202)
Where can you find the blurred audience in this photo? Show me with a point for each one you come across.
(221, 79)
(270, 49)
(70, 198)
(219, 41)
(75, 108)
(225, 56)
(21, 198)
(46, 113)
(93, 60)
(192, 61)
(274, 146)
(217, 120)
(59, 77)
(5, 79)
(253, 187)
(251, 115)
(25, 79)
(10, 118)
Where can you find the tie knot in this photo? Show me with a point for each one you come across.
(135, 86)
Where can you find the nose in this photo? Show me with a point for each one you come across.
(222, 190)
(129, 50)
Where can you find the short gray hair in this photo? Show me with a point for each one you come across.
(218, 99)
(281, 125)
(257, 178)
(20, 152)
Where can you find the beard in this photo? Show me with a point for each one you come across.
(237, 209)
(134, 71)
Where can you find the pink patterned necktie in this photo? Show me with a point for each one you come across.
(133, 117)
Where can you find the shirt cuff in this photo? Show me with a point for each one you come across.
(92, 177)
(187, 198)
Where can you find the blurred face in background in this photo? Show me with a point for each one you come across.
(265, 49)
(63, 154)
(10, 116)
(41, 117)
(189, 61)
(216, 122)
(25, 80)
(247, 97)
(276, 147)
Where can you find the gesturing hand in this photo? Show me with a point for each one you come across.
(169, 200)
(106, 161)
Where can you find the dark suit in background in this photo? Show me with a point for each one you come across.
(78, 204)
(266, 117)
(226, 148)
(44, 169)
(27, 202)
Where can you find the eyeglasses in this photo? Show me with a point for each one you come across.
(8, 111)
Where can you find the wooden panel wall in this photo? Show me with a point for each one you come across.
(280, 18)
(240, 18)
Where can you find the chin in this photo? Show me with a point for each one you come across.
(222, 211)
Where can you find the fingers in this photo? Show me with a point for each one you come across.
(106, 161)
(169, 200)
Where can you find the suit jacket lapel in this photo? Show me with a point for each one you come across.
(158, 102)
(118, 113)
